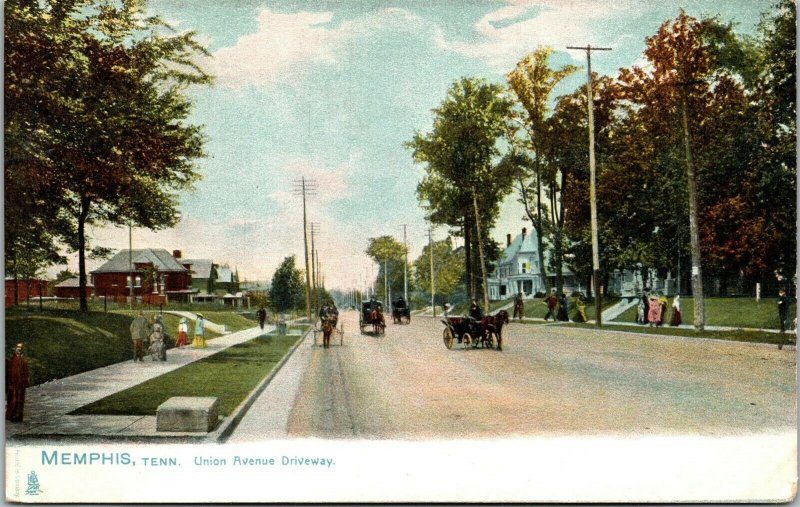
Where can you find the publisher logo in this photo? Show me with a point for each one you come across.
(33, 484)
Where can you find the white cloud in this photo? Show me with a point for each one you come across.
(557, 24)
(286, 47)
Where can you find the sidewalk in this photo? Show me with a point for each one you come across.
(47, 405)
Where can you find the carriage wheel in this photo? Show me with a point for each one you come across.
(466, 340)
(448, 337)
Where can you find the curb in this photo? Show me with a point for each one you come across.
(232, 421)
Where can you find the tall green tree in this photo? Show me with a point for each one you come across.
(390, 255)
(118, 146)
(448, 268)
(288, 290)
(461, 154)
(542, 171)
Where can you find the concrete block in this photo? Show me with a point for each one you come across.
(188, 413)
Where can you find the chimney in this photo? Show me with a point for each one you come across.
(508, 239)
(176, 254)
(524, 232)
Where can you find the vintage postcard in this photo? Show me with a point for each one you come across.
(495, 251)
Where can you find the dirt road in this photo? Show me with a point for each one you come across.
(549, 380)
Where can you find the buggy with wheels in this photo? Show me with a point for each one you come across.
(401, 312)
(371, 314)
(327, 328)
(469, 331)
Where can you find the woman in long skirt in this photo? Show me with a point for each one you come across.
(183, 333)
(662, 301)
(199, 333)
(654, 311)
(676, 311)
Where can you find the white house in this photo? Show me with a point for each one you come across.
(518, 270)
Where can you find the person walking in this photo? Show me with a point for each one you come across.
(654, 311)
(519, 306)
(580, 305)
(262, 316)
(662, 313)
(158, 348)
(183, 333)
(676, 311)
(552, 305)
(640, 312)
(563, 308)
(646, 305)
(446, 310)
(140, 330)
(18, 378)
(199, 341)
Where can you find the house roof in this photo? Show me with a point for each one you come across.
(224, 275)
(73, 282)
(521, 244)
(201, 268)
(158, 257)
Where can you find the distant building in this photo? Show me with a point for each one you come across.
(227, 281)
(518, 270)
(70, 288)
(26, 288)
(157, 276)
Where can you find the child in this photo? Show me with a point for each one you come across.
(183, 333)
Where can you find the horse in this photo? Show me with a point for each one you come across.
(327, 330)
(376, 319)
(493, 325)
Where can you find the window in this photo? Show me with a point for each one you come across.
(137, 281)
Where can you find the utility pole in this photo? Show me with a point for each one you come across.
(306, 187)
(598, 297)
(405, 266)
(314, 229)
(694, 232)
(385, 280)
(433, 286)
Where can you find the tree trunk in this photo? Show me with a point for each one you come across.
(559, 255)
(16, 282)
(470, 281)
(484, 287)
(82, 215)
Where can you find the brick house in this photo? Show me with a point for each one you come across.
(26, 288)
(157, 276)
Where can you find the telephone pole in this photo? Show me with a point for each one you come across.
(305, 188)
(314, 228)
(598, 297)
(405, 266)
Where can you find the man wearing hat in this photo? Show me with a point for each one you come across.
(17, 380)
(140, 330)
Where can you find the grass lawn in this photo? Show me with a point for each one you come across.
(737, 335)
(62, 343)
(538, 307)
(233, 321)
(229, 375)
(731, 312)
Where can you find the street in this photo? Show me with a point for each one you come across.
(548, 380)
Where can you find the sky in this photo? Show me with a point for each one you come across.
(331, 91)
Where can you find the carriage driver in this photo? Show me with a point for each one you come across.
(475, 311)
(323, 313)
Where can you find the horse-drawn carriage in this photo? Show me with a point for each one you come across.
(371, 314)
(471, 332)
(401, 312)
(327, 327)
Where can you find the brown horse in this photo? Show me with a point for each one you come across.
(493, 325)
(376, 319)
(327, 330)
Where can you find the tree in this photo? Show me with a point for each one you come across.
(287, 291)
(448, 268)
(390, 255)
(462, 174)
(540, 177)
(117, 146)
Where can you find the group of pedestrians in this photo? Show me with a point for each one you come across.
(154, 336)
(559, 307)
(652, 309)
